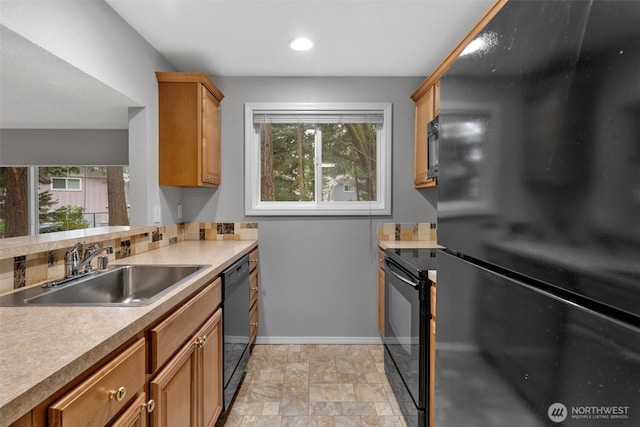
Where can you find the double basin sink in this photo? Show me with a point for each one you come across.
(127, 285)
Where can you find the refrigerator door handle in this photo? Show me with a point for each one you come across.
(390, 269)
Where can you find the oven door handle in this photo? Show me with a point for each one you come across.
(399, 277)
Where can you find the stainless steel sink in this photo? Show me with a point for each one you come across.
(129, 285)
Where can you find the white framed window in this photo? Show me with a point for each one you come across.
(66, 184)
(318, 158)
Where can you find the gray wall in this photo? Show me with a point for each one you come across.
(93, 38)
(318, 275)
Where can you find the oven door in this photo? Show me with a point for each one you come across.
(405, 334)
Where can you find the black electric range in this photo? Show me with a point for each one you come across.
(416, 261)
(406, 327)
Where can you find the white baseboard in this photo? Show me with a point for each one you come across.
(318, 340)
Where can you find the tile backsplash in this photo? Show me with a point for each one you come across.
(32, 268)
(393, 231)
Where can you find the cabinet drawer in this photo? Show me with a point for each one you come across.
(253, 287)
(168, 336)
(253, 258)
(95, 400)
(253, 322)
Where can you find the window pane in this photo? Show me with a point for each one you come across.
(349, 162)
(73, 184)
(287, 162)
(58, 183)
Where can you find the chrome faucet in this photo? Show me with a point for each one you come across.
(72, 263)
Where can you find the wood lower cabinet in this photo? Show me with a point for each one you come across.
(174, 390)
(188, 390)
(100, 397)
(189, 130)
(210, 370)
(136, 414)
(253, 296)
(381, 292)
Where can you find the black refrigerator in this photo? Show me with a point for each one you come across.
(538, 295)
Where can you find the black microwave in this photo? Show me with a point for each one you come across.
(433, 130)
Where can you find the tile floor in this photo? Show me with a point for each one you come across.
(315, 385)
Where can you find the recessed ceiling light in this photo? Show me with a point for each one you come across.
(300, 43)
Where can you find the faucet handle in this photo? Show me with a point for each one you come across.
(103, 263)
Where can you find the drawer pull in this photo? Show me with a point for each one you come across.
(254, 289)
(254, 324)
(118, 394)
(149, 406)
(253, 260)
(200, 342)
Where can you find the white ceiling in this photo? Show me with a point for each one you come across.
(352, 37)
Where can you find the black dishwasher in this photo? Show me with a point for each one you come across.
(235, 326)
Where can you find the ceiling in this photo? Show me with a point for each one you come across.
(352, 37)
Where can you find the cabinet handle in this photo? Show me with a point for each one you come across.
(149, 406)
(118, 394)
(253, 260)
(254, 324)
(254, 289)
(200, 342)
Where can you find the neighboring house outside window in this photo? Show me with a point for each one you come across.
(318, 159)
(66, 184)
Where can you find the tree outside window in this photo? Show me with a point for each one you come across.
(326, 159)
(58, 208)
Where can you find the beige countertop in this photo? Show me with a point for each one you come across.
(43, 348)
(16, 246)
(410, 244)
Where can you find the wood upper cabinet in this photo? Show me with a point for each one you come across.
(427, 99)
(426, 109)
(189, 130)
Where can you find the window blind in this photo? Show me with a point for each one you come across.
(260, 117)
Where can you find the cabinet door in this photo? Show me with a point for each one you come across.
(381, 292)
(424, 111)
(174, 391)
(210, 138)
(253, 322)
(135, 415)
(210, 369)
(381, 301)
